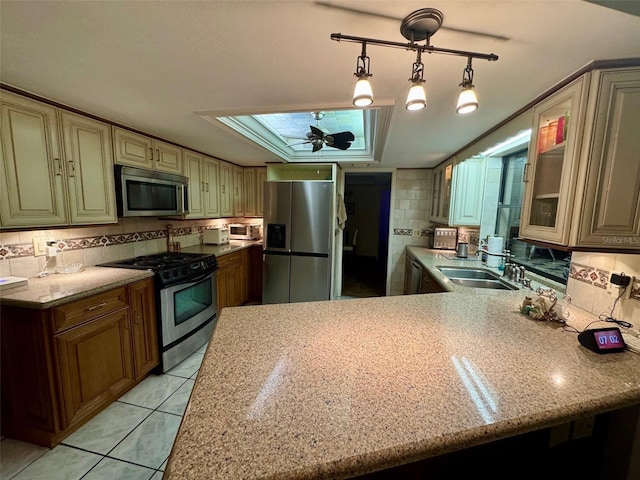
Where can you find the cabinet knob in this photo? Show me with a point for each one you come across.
(72, 169)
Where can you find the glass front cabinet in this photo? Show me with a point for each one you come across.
(582, 177)
(550, 171)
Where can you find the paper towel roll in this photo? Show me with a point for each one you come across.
(494, 245)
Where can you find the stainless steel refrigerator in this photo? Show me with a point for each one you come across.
(298, 231)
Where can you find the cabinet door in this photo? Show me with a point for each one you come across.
(132, 149)
(550, 174)
(226, 185)
(611, 196)
(249, 175)
(238, 196)
(167, 157)
(95, 364)
(435, 193)
(31, 173)
(193, 169)
(445, 190)
(261, 178)
(467, 192)
(211, 175)
(146, 350)
(89, 166)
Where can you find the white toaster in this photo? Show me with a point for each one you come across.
(215, 236)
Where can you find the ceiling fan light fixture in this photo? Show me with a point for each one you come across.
(467, 100)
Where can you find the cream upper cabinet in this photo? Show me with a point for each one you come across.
(56, 167)
(467, 192)
(89, 169)
(552, 164)
(238, 191)
(140, 151)
(441, 193)
(202, 172)
(225, 189)
(211, 174)
(31, 170)
(193, 164)
(261, 178)
(583, 178)
(608, 196)
(250, 205)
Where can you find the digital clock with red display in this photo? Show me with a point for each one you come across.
(602, 340)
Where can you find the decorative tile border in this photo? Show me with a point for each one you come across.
(26, 249)
(591, 275)
(409, 232)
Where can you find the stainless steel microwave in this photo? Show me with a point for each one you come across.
(147, 193)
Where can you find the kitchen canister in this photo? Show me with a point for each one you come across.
(494, 245)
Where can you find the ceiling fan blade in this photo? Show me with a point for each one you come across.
(400, 19)
(341, 140)
(317, 132)
(317, 147)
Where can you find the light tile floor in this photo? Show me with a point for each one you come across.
(130, 440)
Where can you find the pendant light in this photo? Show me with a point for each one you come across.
(362, 93)
(467, 101)
(417, 97)
(417, 26)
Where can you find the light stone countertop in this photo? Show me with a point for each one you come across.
(220, 250)
(59, 288)
(340, 388)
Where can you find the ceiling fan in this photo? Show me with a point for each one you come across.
(317, 138)
(419, 22)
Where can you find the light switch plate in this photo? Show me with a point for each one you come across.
(40, 246)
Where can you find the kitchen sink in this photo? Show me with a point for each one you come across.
(475, 278)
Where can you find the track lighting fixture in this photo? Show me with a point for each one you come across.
(362, 93)
(417, 26)
(417, 97)
(467, 101)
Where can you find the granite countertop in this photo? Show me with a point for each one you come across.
(58, 288)
(220, 250)
(340, 388)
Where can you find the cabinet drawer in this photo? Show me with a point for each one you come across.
(229, 259)
(75, 313)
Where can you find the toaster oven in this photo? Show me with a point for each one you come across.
(215, 236)
(242, 231)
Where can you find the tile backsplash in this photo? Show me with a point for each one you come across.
(590, 289)
(92, 245)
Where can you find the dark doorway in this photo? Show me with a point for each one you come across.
(367, 199)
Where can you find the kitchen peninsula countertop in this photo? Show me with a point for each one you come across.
(341, 388)
(59, 288)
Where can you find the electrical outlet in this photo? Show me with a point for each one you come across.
(415, 232)
(40, 246)
(634, 288)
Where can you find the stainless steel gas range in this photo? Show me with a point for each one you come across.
(186, 300)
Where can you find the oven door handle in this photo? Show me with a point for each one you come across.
(201, 277)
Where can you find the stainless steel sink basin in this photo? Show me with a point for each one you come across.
(475, 278)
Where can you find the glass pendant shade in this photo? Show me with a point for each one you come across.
(467, 101)
(362, 93)
(417, 97)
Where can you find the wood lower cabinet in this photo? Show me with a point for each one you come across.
(62, 366)
(144, 331)
(255, 273)
(95, 364)
(232, 279)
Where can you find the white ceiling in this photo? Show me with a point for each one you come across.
(152, 65)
